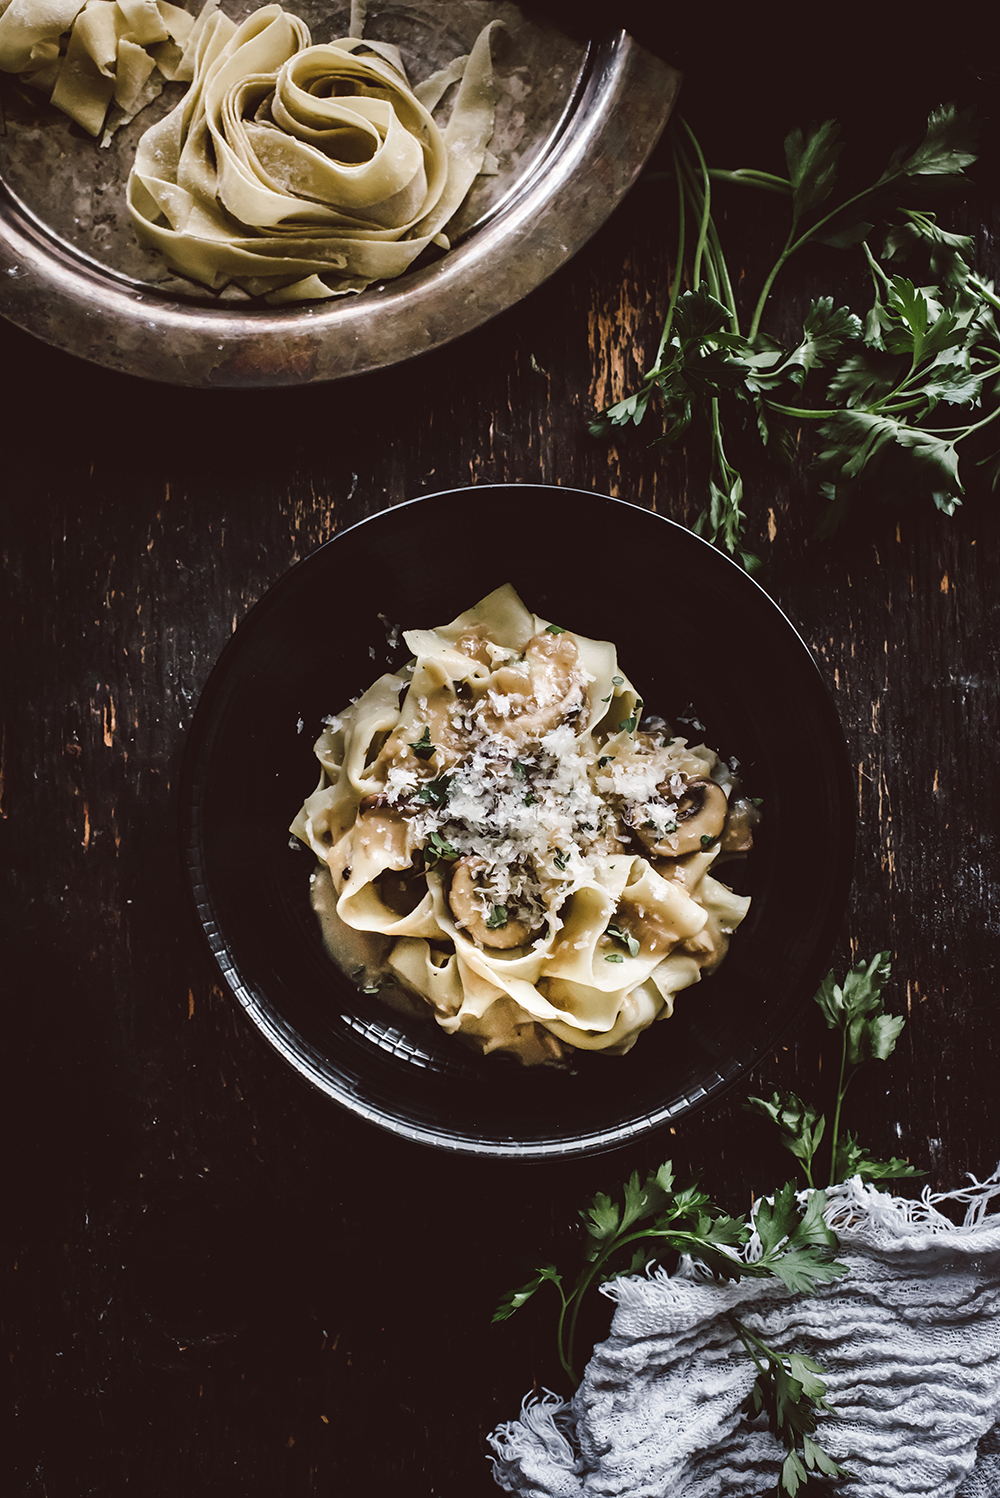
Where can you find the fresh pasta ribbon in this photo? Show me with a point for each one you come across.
(301, 171)
(500, 837)
(99, 61)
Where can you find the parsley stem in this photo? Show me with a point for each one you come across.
(985, 291)
(722, 273)
(874, 266)
(792, 244)
(717, 271)
(678, 266)
(750, 1342)
(676, 1238)
(563, 1349)
(841, 1090)
(888, 407)
(766, 291)
(801, 413)
(964, 431)
(567, 1335)
(706, 211)
(841, 207)
(749, 177)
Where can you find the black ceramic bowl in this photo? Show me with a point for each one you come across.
(691, 629)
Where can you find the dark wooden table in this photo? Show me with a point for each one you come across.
(218, 1282)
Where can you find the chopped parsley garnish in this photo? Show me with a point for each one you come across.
(605, 759)
(519, 769)
(423, 748)
(435, 791)
(560, 860)
(628, 725)
(530, 800)
(555, 629)
(758, 801)
(707, 839)
(614, 957)
(617, 681)
(623, 935)
(372, 988)
(496, 918)
(438, 847)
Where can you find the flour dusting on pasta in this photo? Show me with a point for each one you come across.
(507, 844)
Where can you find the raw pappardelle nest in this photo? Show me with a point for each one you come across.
(506, 847)
(300, 171)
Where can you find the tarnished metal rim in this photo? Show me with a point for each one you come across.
(623, 103)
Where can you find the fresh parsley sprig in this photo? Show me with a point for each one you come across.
(654, 1218)
(918, 346)
(789, 1389)
(785, 1236)
(857, 1011)
(792, 1244)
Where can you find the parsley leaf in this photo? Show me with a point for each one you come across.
(423, 748)
(945, 151)
(497, 918)
(802, 1126)
(513, 1300)
(852, 1160)
(436, 848)
(946, 252)
(812, 166)
(435, 792)
(623, 935)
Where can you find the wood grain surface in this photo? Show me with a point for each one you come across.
(217, 1282)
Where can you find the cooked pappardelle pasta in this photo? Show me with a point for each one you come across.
(508, 845)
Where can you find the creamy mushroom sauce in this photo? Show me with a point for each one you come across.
(509, 847)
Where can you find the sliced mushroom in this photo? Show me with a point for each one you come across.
(701, 816)
(469, 915)
(543, 689)
(737, 840)
(699, 819)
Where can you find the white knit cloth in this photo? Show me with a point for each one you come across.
(909, 1342)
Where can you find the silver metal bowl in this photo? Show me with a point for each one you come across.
(575, 123)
